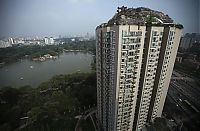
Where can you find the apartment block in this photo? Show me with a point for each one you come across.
(135, 53)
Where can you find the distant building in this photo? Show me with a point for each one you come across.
(19, 41)
(72, 39)
(87, 36)
(135, 58)
(188, 40)
(51, 41)
(10, 40)
(48, 41)
(196, 45)
(5, 44)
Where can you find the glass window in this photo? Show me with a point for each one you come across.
(138, 45)
(138, 40)
(123, 47)
(139, 33)
(154, 39)
(131, 47)
(132, 33)
(154, 33)
(124, 33)
(131, 53)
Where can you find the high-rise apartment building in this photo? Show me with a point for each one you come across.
(188, 40)
(135, 53)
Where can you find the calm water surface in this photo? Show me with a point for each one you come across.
(34, 73)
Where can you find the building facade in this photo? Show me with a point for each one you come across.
(134, 67)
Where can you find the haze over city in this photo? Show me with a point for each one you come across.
(99, 65)
(77, 17)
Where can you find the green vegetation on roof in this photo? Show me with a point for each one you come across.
(140, 16)
(180, 26)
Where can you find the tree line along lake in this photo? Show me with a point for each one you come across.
(33, 73)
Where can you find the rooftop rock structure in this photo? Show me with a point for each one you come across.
(140, 16)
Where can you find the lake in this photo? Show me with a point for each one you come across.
(26, 72)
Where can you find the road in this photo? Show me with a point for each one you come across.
(84, 116)
(183, 102)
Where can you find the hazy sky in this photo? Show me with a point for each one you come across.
(77, 17)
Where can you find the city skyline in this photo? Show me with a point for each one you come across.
(75, 17)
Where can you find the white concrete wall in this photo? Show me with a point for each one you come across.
(169, 69)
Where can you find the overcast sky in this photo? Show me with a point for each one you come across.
(77, 17)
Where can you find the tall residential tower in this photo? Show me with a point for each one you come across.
(135, 52)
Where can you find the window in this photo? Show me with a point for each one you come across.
(123, 53)
(132, 33)
(130, 65)
(137, 51)
(138, 40)
(136, 62)
(129, 71)
(131, 47)
(130, 59)
(138, 45)
(154, 33)
(153, 44)
(154, 39)
(139, 33)
(128, 86)
(123, 47)
(124, 33)
(128, 76)
(132, 40)
(152, 50)
(131, 53)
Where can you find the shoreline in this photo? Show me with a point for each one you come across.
(3, 64)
